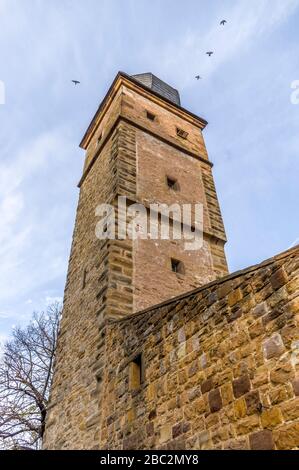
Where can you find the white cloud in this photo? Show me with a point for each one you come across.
(29, 249)
(4, 315)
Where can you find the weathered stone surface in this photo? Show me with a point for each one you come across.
(207, 385)
(165, 433)
(290, 410)
(271, 418)
(279, 279)
(236, 444)
(273, 347)
(282, 374)
(235, 297)
(215, 400)
(253, 402)
(287, 436)
(260, 310)
(280, 394)
(241, 386)
(240, 408)
(262, 440)
(247, 425)
(227, 393)
(295, 384)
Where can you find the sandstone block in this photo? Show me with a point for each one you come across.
(247, 425)
(271, 418)
(279, 394)
(287, 436)
(253, 402)
(256, 329)
(241, 386)
(207, 385)
(262, 440)
(227, 393)
(215, 400)
(290, 410)
(165, 433)
(260, 310)
(279, 279)
(282, 374)
(240, 408)
(236, 444)
(296, 386)
(235, 297)
(273, 347)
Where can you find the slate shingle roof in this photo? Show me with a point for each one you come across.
(157, 85)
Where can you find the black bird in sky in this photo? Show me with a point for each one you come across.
(223, 22)
(198, 77)
(76, 82)
(209, 53)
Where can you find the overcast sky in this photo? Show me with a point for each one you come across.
(245, 94)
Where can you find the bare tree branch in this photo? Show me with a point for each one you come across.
(26, 370)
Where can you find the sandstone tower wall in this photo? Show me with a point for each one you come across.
(217, 364)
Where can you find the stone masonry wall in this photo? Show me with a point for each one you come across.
(113, 278)
(220, 367)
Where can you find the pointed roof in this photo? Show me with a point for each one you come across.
(156, 84)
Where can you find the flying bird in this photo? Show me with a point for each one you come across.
(209, 53)
(76, 82)
(223, 22)
(198, 77)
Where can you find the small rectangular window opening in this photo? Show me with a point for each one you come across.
(150, 116)
(177, 266)
(84, 280)
(181, 133)
(136, 373)
(172, 183)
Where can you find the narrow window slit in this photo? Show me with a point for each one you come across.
(136, 372)
(172, 183)
(177, 266)
(84, 280)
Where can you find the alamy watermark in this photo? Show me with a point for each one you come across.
(2, 92)
(155, 222)
(295, 93)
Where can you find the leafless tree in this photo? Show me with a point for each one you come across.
(26, 369)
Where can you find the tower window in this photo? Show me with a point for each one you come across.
(136, 373)
(172, 183)
(150, 116)
(177, 266)
(84, 280)
(181, 133)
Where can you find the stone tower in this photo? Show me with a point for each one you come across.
(142, 145)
